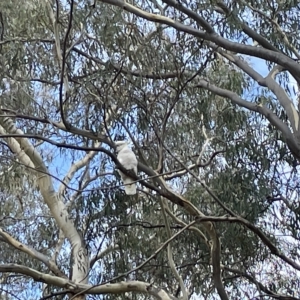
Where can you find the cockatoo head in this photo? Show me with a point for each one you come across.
(120, 145)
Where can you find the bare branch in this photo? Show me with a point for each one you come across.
(259, 284)
(266, 54)
(183, 171)
(114, 288)
(100, 255)
(269, 82)
(77, 166)
(193, 15)
(51, 198)
(171, 262)
(274, 250)
(263, 110)
(249, 31)
(32, 252)
(163, 246)
(283, 35)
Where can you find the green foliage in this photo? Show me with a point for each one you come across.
(128, 77)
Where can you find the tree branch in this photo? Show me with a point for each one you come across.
(193, 15)
(58, 125)
(269, 82)
(163, 246)
(77, 166)
(274, 250)
(121, 69)
(290, 46)
(215, 245)
(21, 146)
(171, 262)
(32, 252)
(114, 288)
(266, 54)
(100, 255)
(246, 29)
(274, 120)
(259, 284)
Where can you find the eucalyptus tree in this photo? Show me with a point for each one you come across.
(216, 215)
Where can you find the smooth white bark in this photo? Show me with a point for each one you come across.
(29, 156)
(113, 288)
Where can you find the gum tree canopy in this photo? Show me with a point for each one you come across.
(206, 92)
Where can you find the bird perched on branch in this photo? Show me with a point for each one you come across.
(128, 160)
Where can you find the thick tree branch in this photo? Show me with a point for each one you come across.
(21, 146)
(246, 29)
(114, 288)
(192, 228)
(32, 252)
(61, 57)
(269, 82)
(266, 54)
(274, 120)
(193, 15)
(280, 30)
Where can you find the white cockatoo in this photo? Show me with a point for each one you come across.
(128, 160)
